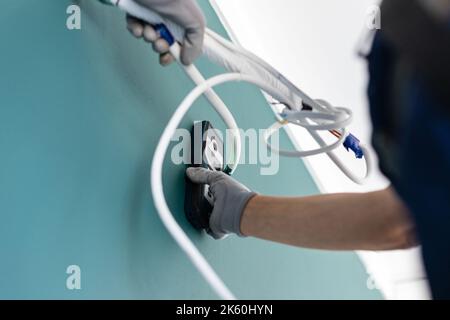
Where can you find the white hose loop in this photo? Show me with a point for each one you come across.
(218, 105)
(157, 186)
(291, 153)
(249, 68)
(340, 118)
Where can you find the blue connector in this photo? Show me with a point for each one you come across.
(352, 143)
(164, 33)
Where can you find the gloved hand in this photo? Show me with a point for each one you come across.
(187, 14)
(230, 200)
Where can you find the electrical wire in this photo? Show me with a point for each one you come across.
(157, 186)
(243, 66)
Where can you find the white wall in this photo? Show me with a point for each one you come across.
(314, 43)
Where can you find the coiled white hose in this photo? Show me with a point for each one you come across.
(247, 67)
(157, 186)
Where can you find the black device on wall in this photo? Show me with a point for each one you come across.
(207, 152)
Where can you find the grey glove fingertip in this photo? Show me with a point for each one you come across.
(196, 175)
(161, 46)
(135, 26)
(150, 35)
(201, 175)
(166, 59)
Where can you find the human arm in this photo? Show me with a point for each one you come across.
(348, 221)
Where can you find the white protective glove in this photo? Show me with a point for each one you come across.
(187, 14)
(230, 200)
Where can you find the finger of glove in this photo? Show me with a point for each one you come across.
(189, 16)
(202, 175)
(161, 46)
(166, 59)
(135, 26)
(214, 223)
(150, 34)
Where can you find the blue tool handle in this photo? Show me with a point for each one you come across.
(164, 33)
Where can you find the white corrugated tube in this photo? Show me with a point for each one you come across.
(247, 67)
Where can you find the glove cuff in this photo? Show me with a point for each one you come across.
(239, 212)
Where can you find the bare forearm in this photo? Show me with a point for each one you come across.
(367, 221)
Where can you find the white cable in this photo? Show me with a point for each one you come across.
(300, 154)
(157, 186)
(236, 59)
(218, 105)
(249, 68)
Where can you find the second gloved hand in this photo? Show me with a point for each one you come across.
(230, 200)
(187, 14)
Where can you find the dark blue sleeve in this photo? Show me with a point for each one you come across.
(424, 181)
(412, 139)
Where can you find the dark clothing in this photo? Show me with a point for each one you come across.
(410, 110)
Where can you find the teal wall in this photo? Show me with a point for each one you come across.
(80, 115)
